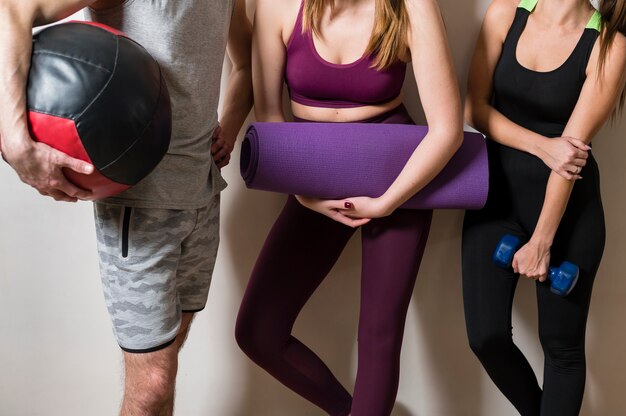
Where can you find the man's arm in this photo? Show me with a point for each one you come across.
(36, 164)
(238, 95)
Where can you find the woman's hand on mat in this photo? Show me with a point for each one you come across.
(332, 209)
(565, 155)
(532, 260)
(365, 207)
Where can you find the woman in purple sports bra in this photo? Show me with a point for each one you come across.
(345, 61)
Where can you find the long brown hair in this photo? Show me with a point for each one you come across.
(389, 36)
(613, 22)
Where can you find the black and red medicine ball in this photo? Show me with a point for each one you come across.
(96, 95)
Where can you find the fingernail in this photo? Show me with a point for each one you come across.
(348, 205)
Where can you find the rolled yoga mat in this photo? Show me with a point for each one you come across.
(340, 160)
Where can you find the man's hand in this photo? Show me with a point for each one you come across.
(222, 147)
(35, 163)
(40, 166)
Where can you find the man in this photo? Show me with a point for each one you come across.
(157, 241)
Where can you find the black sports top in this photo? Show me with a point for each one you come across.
(541, 101)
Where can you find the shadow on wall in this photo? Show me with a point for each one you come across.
(606, 343)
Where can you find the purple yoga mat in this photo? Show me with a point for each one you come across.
(340, 160)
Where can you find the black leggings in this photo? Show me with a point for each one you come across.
(517, 189)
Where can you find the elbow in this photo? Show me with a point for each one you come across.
(457, 140)
(452, 136)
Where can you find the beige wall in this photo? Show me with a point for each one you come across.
(58, 356)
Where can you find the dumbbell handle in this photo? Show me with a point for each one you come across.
(563, 278)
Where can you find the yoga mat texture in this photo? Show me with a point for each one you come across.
(340, 160)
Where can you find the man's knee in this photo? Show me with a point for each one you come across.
(151, 377)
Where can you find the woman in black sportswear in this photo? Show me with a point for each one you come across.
(545, 76)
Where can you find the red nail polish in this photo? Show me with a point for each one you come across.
(348, 205)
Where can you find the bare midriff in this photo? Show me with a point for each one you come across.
(343, 115)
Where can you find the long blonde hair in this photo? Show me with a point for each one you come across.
(389, 36)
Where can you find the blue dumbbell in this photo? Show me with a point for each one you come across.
(562, 279)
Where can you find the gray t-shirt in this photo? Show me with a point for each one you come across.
(188, 39)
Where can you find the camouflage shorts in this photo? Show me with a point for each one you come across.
(155, 264)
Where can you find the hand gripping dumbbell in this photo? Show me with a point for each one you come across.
(562, 279)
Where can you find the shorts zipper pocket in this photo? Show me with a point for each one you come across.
(126, 230)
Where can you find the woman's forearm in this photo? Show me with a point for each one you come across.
(428, 159)
(499, 128)
(558, 191)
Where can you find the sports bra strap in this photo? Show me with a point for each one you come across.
(595, 22)
(528, 5)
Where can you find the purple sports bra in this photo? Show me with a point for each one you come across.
(316, 82)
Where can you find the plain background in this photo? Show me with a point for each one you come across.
(58, 356)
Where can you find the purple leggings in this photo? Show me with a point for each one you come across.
(300, 250)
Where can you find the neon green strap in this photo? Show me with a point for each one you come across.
(528, 5)
(595, 22)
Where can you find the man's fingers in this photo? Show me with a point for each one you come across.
(223, 152)
(60, 196)
(223, 161)
(218, 143)
(77, 165)
(74, 191)
(217, 132)
(59, 183)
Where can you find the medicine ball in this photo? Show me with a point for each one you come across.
(96, 95)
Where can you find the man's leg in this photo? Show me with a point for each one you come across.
(149, 382)
(152, 262)
(184, 329)
(150, 378)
